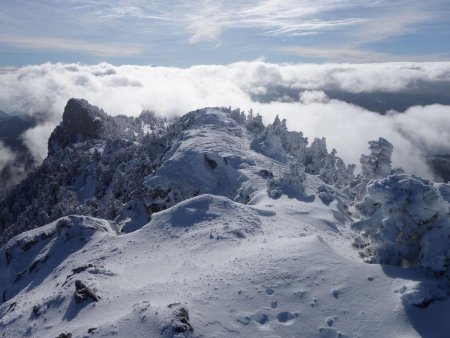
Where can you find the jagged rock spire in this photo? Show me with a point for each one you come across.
(81, 121)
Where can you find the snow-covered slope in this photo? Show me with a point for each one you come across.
(280, 268)
(249, 231)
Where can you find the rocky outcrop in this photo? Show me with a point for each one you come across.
(81, 121)
(83, 293)
(179, 325)
(65, 335)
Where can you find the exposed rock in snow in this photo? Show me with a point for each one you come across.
(179, 325)
(83, 293)
(81, 122)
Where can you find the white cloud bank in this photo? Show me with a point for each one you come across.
(266, 88)
(6, 155)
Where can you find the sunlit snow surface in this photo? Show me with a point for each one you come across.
(276, 268)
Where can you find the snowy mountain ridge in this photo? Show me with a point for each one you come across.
(214, 225)
(110, 167)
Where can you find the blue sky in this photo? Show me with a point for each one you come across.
(184, 33)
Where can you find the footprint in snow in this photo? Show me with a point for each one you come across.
(243, 318)
(330, 321)
(260, 317)
(335, 293)
(300, 294)
(287, 317)
(270, 291)
(329, 332)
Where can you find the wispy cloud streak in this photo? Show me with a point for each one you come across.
(86, 24)
(36, 42)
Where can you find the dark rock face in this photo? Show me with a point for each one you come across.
(81, 122)
(83, 293)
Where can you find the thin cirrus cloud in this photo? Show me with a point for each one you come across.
(353, 53)
(320, 100)
(69, 45)
(157, 31)
(272, 18)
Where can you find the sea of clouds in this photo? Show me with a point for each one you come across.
(319, 100)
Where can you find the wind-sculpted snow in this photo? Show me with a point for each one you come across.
(203, 217)
(32, 255)
(212, 267)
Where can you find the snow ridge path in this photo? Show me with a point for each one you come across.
(231, 257)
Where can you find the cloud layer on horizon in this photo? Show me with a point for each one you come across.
(309, 96)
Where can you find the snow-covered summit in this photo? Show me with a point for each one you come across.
(124, 169)
(215, 225)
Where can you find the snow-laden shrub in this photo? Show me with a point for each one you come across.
(291, 183)
(295, 177)
(405, 221)
(421, 294)
(325, 194)
(378, 163)
(317, 155)
(334, 171)
(285, 146)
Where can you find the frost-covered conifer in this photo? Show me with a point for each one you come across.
(378, 163)
(316, 156)
(405, 221)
